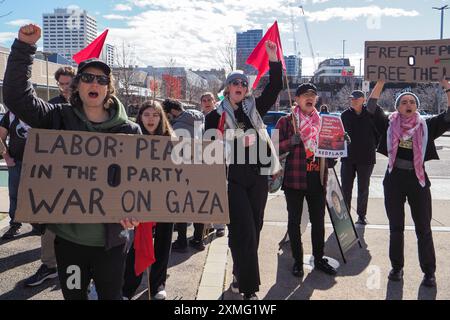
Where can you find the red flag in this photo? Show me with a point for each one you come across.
(259, 57)
(93, 50)
(143, 247)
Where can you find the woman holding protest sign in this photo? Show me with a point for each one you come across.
(408, 141)
(247, 186)
(153, 121)
(83, 251)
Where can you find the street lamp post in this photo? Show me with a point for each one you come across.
(343, 49)
(46, 55)
(446, 7)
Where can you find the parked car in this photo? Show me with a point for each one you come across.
(271, 118)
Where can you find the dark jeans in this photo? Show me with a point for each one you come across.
(247, 197)
(348, 173)
(182, 232)
(158, 271)
(399, 186)
(13, 188)
(105, 267)
(316, 206)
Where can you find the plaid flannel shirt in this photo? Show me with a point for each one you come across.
(295, 168)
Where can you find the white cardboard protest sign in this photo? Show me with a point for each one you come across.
(83, 177)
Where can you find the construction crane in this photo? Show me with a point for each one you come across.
(309, 38)
(293, 32)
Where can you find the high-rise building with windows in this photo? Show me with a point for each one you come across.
(67, 31)
(108, 54)
(245, 43)
(293, 66)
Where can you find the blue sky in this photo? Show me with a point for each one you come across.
(193, 32)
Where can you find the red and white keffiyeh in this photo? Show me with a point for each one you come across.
(309, 128)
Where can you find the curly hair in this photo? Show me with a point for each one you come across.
(65, 71)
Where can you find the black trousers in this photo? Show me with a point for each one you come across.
(348, 173)
(247, 198)
(399, 186)
(158, 271)
(316, 207)
(182, 232)
(78, 264)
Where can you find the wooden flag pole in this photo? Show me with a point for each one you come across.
(294, 123)
(148, 283)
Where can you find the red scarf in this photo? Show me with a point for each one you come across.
(407, 128)
(309, 128)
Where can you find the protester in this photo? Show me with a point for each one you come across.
(207, 103)
(408, 141)
(324, 109)
(96, 249)
(247, 187)
(63, 77)
(17, 131)
(182, 119)
(305, 176)
(47, 270)
(153, 121)
(361, 153)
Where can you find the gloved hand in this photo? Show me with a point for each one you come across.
(295, 139)
(347, 138)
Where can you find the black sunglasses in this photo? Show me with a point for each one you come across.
(240, 82)
(89, 78)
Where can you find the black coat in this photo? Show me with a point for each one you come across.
(437, 126)
(364, 137)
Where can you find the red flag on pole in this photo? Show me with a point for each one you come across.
(143, 247)
(259, 57)
(93, 50)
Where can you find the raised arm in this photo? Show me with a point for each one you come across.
(18, 91)
(270, 93)
(374, 96)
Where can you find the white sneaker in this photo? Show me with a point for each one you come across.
(92, 292)
(161, 295)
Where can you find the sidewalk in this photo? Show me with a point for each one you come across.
(207, 275)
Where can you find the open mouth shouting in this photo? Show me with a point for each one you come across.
(93, 94)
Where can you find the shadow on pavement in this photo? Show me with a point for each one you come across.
(19, 259)
(287, 287)
(20, 292)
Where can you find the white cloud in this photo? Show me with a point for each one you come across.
(192, 32)
(355, 13)
(122, 7)
(115, 17)
(73, 7)
(7, 36)
(19, 22)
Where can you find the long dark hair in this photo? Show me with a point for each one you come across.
(164, 128)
